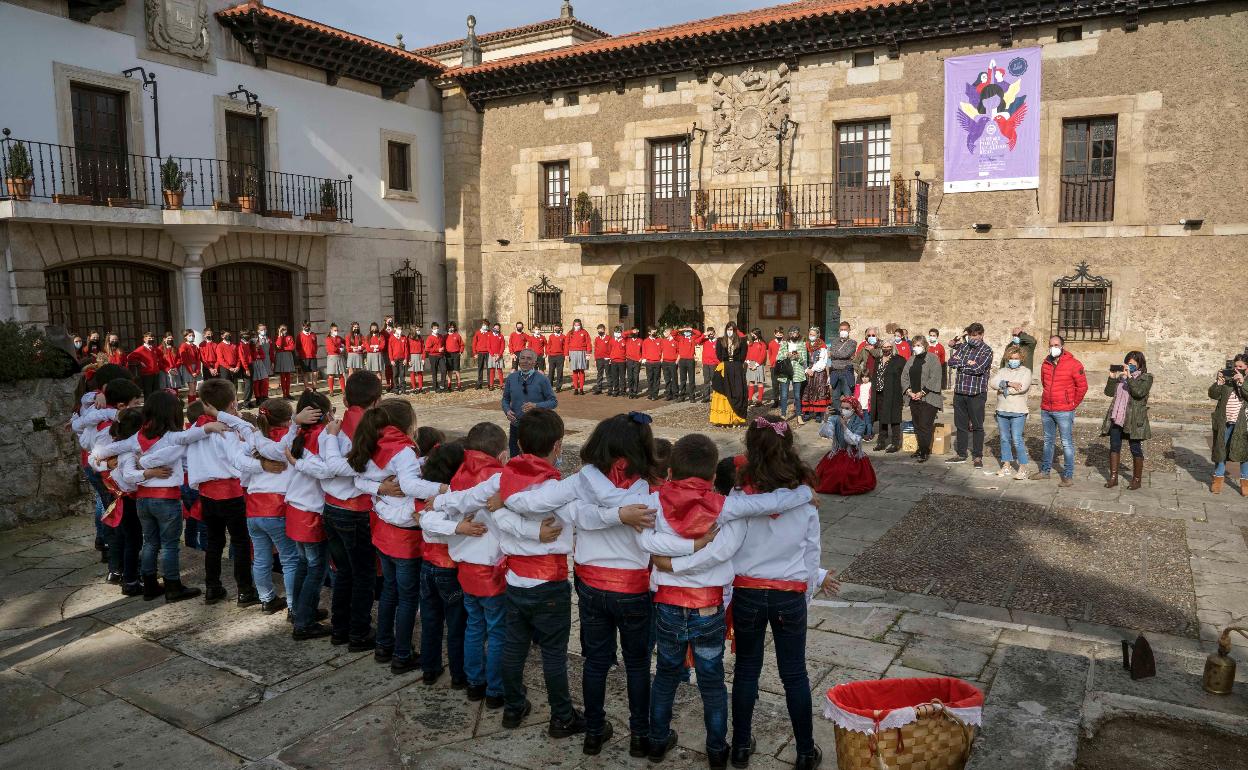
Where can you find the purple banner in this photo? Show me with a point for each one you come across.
(992, 121)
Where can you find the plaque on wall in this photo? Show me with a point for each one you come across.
(179, 27)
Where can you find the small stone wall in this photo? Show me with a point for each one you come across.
(39, 474)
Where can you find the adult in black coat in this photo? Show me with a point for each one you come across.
(887, 398)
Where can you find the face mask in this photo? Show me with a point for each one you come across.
(844, 334)
(208, 337)
(190, 338)
(498, 331)
(779, 336)
(147, 343)
(601, 333)
(333, 332)
(78, 344)
(436, 332)
(847, 412)
(355, 330)
(618, 335)
(1055, 351)
(872, 340)
(1014, 363)
(168, 341)
(1015, 340)
(931, 339)
(919, 350)
(896, 340)
(973, 342)
(813, 337)
(485, 328)
(306, 329)
(688, 335)
(519, 329)
(576, 327)
(226, 338)
(1132, 368)
(399, 333)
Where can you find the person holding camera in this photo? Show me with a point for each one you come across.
(1128, 385)
(791, 372)
(1230, 441)
(972, 359)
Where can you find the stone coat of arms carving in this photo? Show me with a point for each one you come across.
(179, 27)
(747, 111)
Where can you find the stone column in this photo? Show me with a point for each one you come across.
(194, 240)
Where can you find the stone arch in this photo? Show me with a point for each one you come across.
(674, 281)
(797, 266)
(304, 256)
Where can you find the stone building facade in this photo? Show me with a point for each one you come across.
(518, 128)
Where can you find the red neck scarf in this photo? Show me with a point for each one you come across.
(390, 443)
(476, 467)
(202, 420)
(690, 506)
(525, 471)
(351, 419)
(145, 443)
(816, 345)
(278, 433)
(619, 475)
(312, 437)
(742, 481)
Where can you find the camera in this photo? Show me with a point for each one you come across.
(1116, 368)
(1228, 371)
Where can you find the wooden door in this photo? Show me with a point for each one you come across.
(240, 295)
(242, 160)
(100, 142)
(863, 160)
(643, 301)
(669, 184)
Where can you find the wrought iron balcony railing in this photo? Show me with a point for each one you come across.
(817, 206)
(62, 174)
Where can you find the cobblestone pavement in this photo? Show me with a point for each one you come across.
(89, 678)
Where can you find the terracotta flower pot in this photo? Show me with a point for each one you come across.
(329, 214)
(582, 228)
(699, 221)
(19, 188)
(173, 200)
(247, 203)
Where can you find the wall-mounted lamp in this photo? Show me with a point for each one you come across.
(981, 227)
(1191, 224)
(504, 242)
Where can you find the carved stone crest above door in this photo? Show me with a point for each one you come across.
(747, 111)
(179, 27)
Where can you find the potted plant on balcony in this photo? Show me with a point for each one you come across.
(583, 212)
(247, 198)
(19, 176)
(173, 184)
(701, 205)
(785, 204)
(901, 201)
(329, 201)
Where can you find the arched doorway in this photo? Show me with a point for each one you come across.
(787, 290)
(656, 292)
(122, 297)
(240, 295)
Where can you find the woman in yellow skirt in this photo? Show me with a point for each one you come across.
(728, 394)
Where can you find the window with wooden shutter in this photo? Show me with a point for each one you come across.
(1089, 150)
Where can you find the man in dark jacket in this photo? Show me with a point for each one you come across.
(1065, 385)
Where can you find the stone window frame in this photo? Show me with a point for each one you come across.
(221, 105)
(64, 76)
(386, 136)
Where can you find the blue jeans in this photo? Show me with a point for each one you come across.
(269, 533)
(541, 614)
(484, 635)
(1219, 469)
(161, 519)
(785, 611)
(191, 527)
(1117, 434)
(678, 629)
(309, 576)
(351, 548)
(842, 384)
(396, 609)
(441, 601)
(1053, 422)
(787, 387)
(102, 498)
(1010, 425)
(603, 613)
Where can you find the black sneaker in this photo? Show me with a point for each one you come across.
(978, 462)
(276, 604)
(322, 614)
(657, 752)
(459, 683)
(362, 645)
(113, 578)
(593, 743)
(638, 746)
(476, 692)
(430, 678)
(741, 756)
(717, 760)
(214, 594)
(132, 589)
(383, 655)
(248, 597)
(398, 667)
(563, 728)
(314, 631)
(338, 641)
(495, 702)
(512, 719)
(955, 460)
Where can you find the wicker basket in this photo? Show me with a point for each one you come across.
(935, 738)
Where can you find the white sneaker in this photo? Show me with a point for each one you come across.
(1022, 475)
(1005, 471)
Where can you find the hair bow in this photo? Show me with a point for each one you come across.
(641, 418)
(780, 427)
(264, 411)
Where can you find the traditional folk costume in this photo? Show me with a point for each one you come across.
(729, 401)
(845, 469)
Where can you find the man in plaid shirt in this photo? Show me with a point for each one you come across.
(972, 359)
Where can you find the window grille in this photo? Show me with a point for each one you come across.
(545, 305)
(1081, 306)
(409, 295)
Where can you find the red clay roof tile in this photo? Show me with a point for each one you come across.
(489, 37)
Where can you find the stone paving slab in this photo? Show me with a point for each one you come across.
(253, 645)
(163, 691)
(964, 660)
(27, 705)
(95, 658)
(115, 735)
